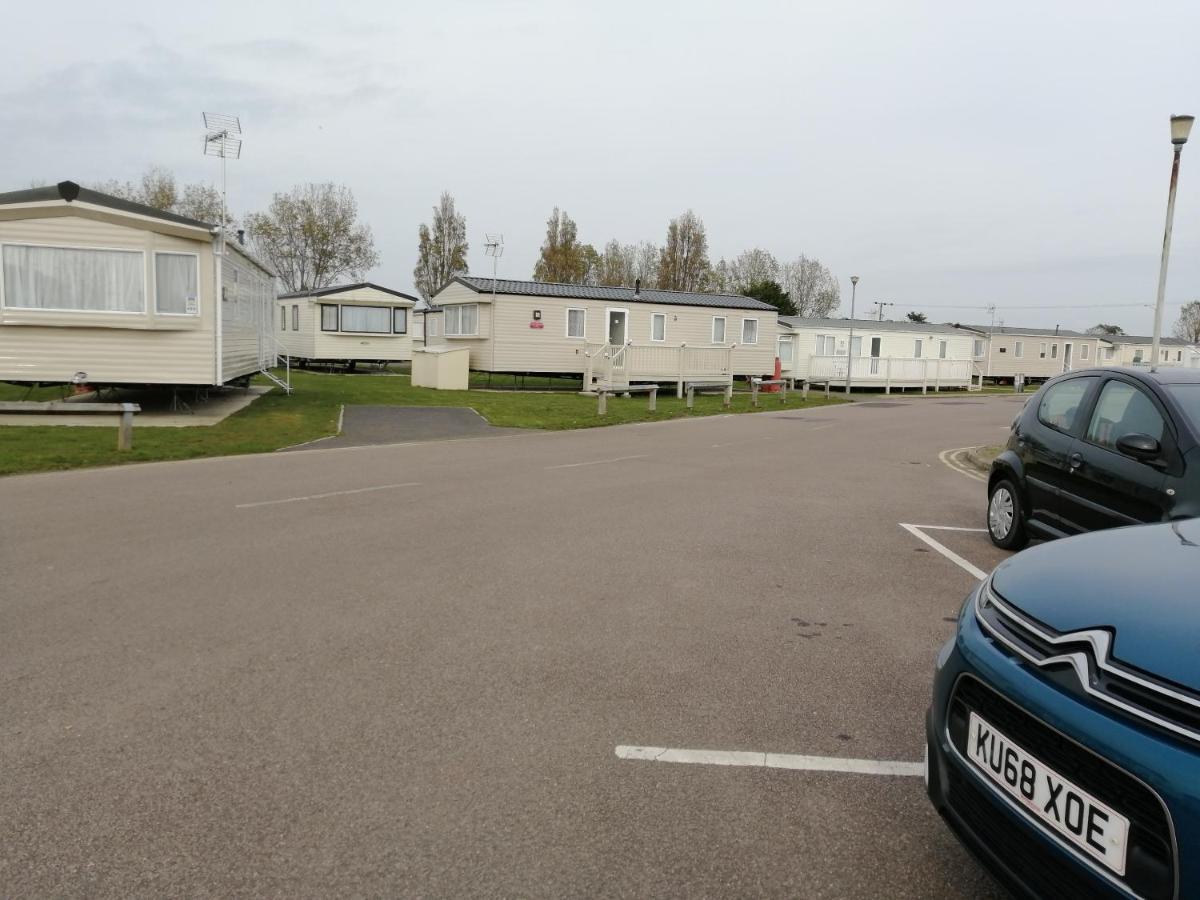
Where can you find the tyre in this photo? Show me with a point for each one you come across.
(1005, 524)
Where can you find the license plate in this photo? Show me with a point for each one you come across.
(1062, 807)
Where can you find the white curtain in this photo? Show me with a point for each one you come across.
(451, 315)
(470, 319)
(400, 320)
(658, 327)
(372, 319)
(329, 317)
(749, 331)
(718, 330)
(576, 323)
(175, 281)
(74, 279)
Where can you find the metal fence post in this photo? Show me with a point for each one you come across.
(125, 434)
(602, 403)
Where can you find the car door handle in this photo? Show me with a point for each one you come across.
(1076, 460)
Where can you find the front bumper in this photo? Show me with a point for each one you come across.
(1022, 855)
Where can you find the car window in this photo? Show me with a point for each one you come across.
(1060, 404)
(1188, 397)
(1121, 410)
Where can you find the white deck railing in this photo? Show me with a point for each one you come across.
(610, 364)
(874, 371)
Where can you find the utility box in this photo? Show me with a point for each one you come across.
(441, 368)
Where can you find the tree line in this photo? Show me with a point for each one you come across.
(311, 236)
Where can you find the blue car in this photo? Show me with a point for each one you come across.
(1064, 733)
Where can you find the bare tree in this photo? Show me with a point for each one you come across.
(811, 286)
(442, 250)
(311, 236)
(563, 258)
(683, 261)
(621, 265)
(159, 189)
(752, 267)
(1187, 327)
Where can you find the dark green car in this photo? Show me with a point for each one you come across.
(1099, 448)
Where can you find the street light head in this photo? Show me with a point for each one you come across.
(854, 278)
(1181, 127)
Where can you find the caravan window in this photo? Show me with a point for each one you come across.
(749, 331)
(74, 279)
(718, 330)
(785, 350)
(283, 318)
(978, 351)
(400, 320)
(295, 318)
(367, 319)
(1019, 349)
(1084, 352)
(329, 317)
(941, 349)
(918, 348)
(576, 323)
(658, 326)
(176, 284)
(462, 320)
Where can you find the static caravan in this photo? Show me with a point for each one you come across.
(1135, 351)
(604, 334)
(880, 354)
(1004, 351)
(346, 325)
(99, 290)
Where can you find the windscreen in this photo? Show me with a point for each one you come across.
(1188, 397)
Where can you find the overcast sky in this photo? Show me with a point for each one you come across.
(953, 155)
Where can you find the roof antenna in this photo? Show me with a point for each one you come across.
(637, 288)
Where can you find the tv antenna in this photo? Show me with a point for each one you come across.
(881, 304)
(223, 138)
(494, 247)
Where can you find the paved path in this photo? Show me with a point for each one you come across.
(380, 671)
(366, 425)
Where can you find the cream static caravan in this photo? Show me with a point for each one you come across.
(604, 334)
(1005, 351)
(347, 324)
(99, 290)
(880, 354)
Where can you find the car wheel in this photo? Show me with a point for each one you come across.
(1006, 528)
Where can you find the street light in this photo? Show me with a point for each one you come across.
(1181, 127)
(850, 346)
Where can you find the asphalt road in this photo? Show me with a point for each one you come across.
(403, 670)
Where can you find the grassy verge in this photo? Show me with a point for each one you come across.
(276, 420)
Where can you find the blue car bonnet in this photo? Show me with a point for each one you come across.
(1142, 582)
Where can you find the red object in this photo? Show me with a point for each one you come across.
(537, 324)
(774, 388)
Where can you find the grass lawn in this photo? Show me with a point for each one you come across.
(276, 420)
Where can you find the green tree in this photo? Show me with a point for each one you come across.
(771, 292)
(441, 250)
(683, 261)
(1103, 328)
(1187, 327)
(916, 317)
(311, 236)
(563, 258)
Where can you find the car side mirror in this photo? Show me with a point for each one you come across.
(1139, 446)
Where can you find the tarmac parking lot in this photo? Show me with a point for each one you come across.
(688, 658)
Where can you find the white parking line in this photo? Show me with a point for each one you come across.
(948, 459)
(772, 761)
(946, 551)
(598, 462)
(378, 487)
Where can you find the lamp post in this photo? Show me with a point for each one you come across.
(1181, 127)
(850, 346)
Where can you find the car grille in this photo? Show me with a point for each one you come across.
(1150, 860)
(1081, 663)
